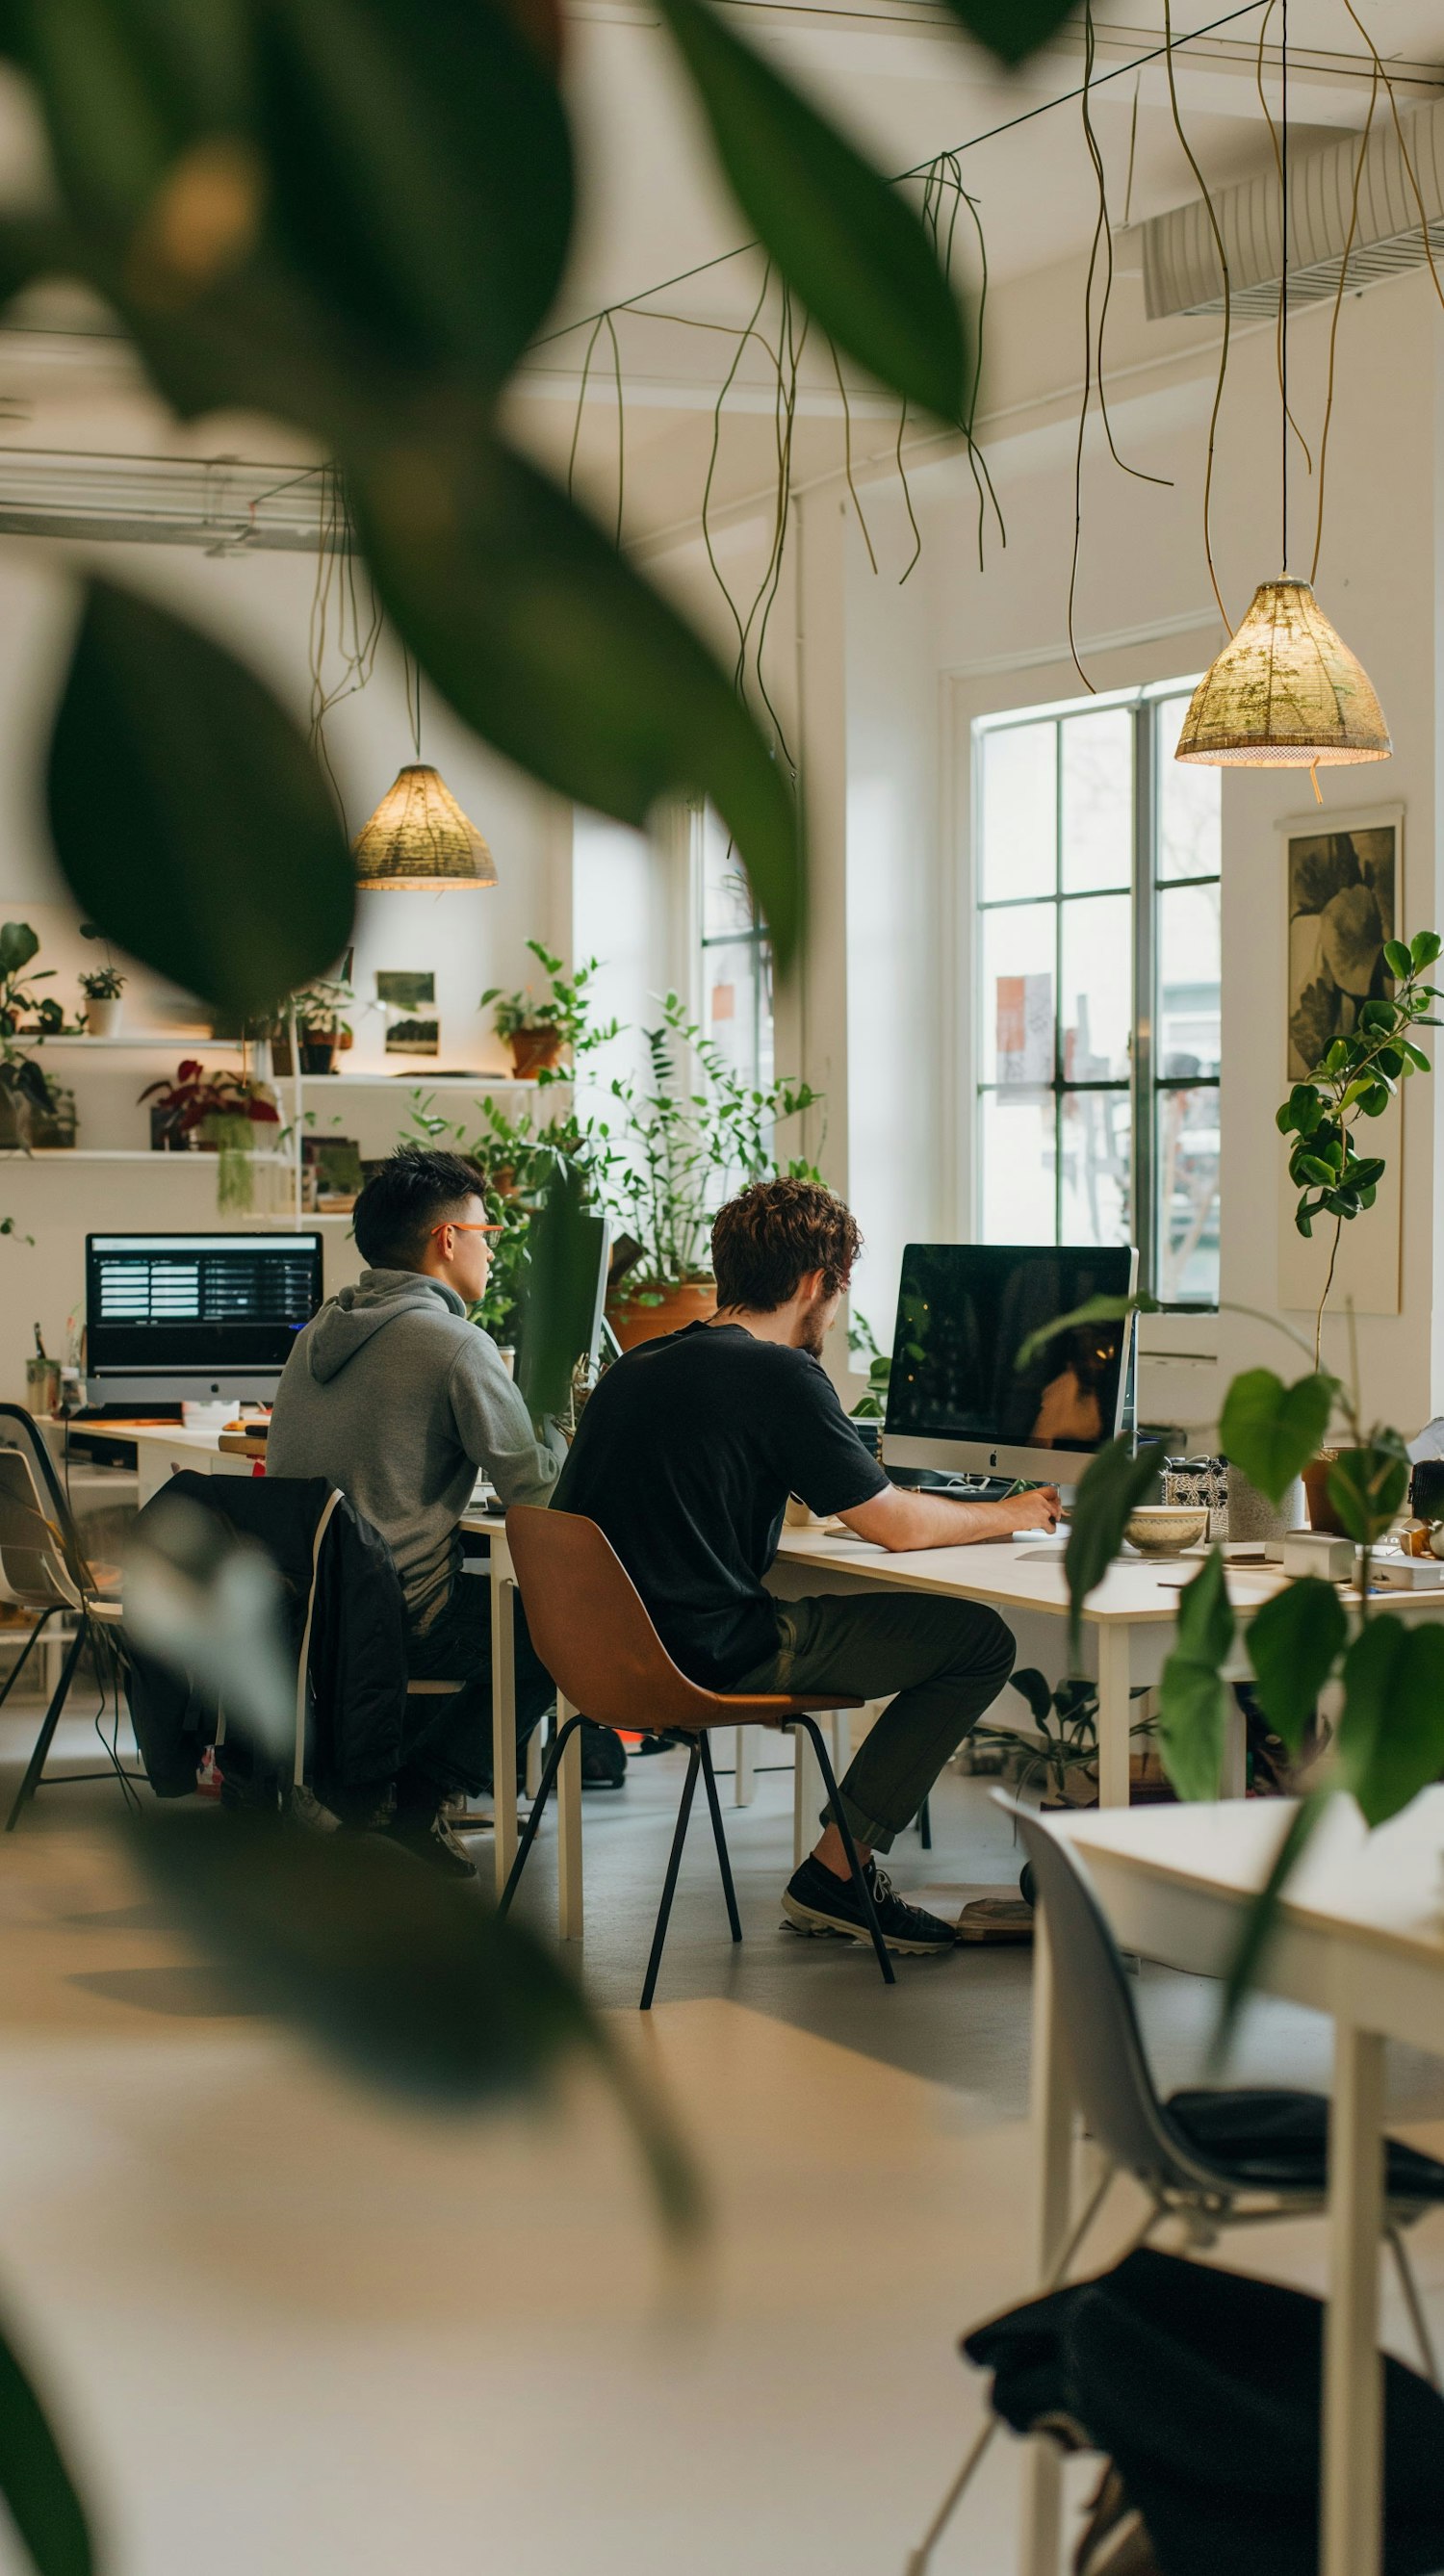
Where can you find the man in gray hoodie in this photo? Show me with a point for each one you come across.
(396, 1397)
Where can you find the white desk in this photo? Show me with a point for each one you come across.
(1362, 1938)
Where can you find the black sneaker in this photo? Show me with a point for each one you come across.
(817, 1902)
(429, 1838)
(604, 1757)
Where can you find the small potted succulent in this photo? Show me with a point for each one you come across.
(102, 987)
(536, 1030)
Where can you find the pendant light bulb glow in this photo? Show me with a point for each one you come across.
(419, 837)
(1285, 692)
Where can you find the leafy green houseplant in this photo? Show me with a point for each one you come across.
(35, 1111)
(102, 987)
(538, 1027)
(227, 1114)
(321, 1024)
(686, 1138)
(1062, 1752)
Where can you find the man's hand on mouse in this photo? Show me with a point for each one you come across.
(1036, 1510)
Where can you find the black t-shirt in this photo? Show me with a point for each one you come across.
(685, 1455)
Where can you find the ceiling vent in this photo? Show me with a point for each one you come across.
(1181, 271)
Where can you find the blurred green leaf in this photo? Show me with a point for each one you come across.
(1095, 1310)
(563, 658)
(189, 817)
(559, 1292)
(1293, 1644)
(403, 1977)
(34, 2480)
(1391, 1734)
(420, 173)
(1271, 1430)
(127, 86)
(1192, 1698)
(1112, 1483)
(1012, 29)
(1261, 1921)
(841, 235)
(18, 944)
(1367, 1486)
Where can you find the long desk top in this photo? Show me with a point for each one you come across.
(1014, 1571)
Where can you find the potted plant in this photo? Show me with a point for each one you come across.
(102, 987)
(321, 1023)
(213, 1113)
(537, 1030)
(1063, 1753)
(22, 1009)
(1356, 1078)
(686, 1141)
(35, 1112)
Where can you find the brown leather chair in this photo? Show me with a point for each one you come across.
(588, 1625)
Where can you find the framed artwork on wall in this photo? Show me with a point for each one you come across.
(1344, 897)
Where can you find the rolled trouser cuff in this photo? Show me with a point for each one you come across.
(862, 1827)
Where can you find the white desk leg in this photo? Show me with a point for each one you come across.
(1052, 2126)
(503, 1711)
(569, 1832)
(1115, 1672)
(1351, 2503)
(744, 1769)
(840, 1728)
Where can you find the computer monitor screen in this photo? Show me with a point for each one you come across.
(199, 1315)
(956, 1397)
(569, 1314)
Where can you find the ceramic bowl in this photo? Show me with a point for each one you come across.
(1161, 1529)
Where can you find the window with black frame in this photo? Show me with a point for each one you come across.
(1097, 890)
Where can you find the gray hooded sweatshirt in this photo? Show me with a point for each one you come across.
(394, 1396)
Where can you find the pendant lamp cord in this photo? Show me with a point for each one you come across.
(411, 669)
(1284, 284)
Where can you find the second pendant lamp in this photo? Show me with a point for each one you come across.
(1285, 692)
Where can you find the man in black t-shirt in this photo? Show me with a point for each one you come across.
(686, 1454)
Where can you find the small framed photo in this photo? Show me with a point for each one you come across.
(413, 1037)
(408, 989)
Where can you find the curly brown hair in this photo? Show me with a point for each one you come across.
(771, 1235)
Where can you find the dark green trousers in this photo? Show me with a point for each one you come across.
(941, 1662)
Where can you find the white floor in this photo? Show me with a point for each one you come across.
(290, 2327)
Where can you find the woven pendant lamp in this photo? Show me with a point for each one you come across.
(419, 836)
(1285, 692)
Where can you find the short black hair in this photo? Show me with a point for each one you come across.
(413, 1191)
(771, 1235)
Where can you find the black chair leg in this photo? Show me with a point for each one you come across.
(49, 1723)
(925, 1825)
(544, 1785)
(23, 1658)
(709, 1782)
(669, 1889)
(864, 1892)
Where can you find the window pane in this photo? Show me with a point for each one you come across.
(1189, 808)
(1018, 952)
(726, 896)
(737, 1005)
(1097, 988)
(1096, 1153)
(1188, 1197)
(1017, 1145)
(1187, 1041)
(1097, 800)
(1019, 813)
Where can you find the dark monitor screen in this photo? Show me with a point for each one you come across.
(964, 1312)
(179, 1302)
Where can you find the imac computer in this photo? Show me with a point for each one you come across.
(958, 1406)
(171, 1317)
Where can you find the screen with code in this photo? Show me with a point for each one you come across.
(198, 1301)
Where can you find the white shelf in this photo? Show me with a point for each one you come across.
(13, 1154)
(159, 1041)
(419, 1080)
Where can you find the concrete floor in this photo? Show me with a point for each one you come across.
(289, 2325)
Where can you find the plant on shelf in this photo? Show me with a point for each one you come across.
(537, 1029)
(214, 1113)
(321, 1022)
(35, 1111)
(684, 1142)
(23, 1011)
(102, 987)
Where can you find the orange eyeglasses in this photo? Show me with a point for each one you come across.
(450, 1222)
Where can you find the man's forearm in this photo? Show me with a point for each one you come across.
(939, 1520)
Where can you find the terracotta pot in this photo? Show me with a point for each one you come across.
(633, 1322)
(1322, 1514)
(533, 1051)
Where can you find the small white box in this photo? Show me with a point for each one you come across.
(1315, 1552)
(1406, 1573)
